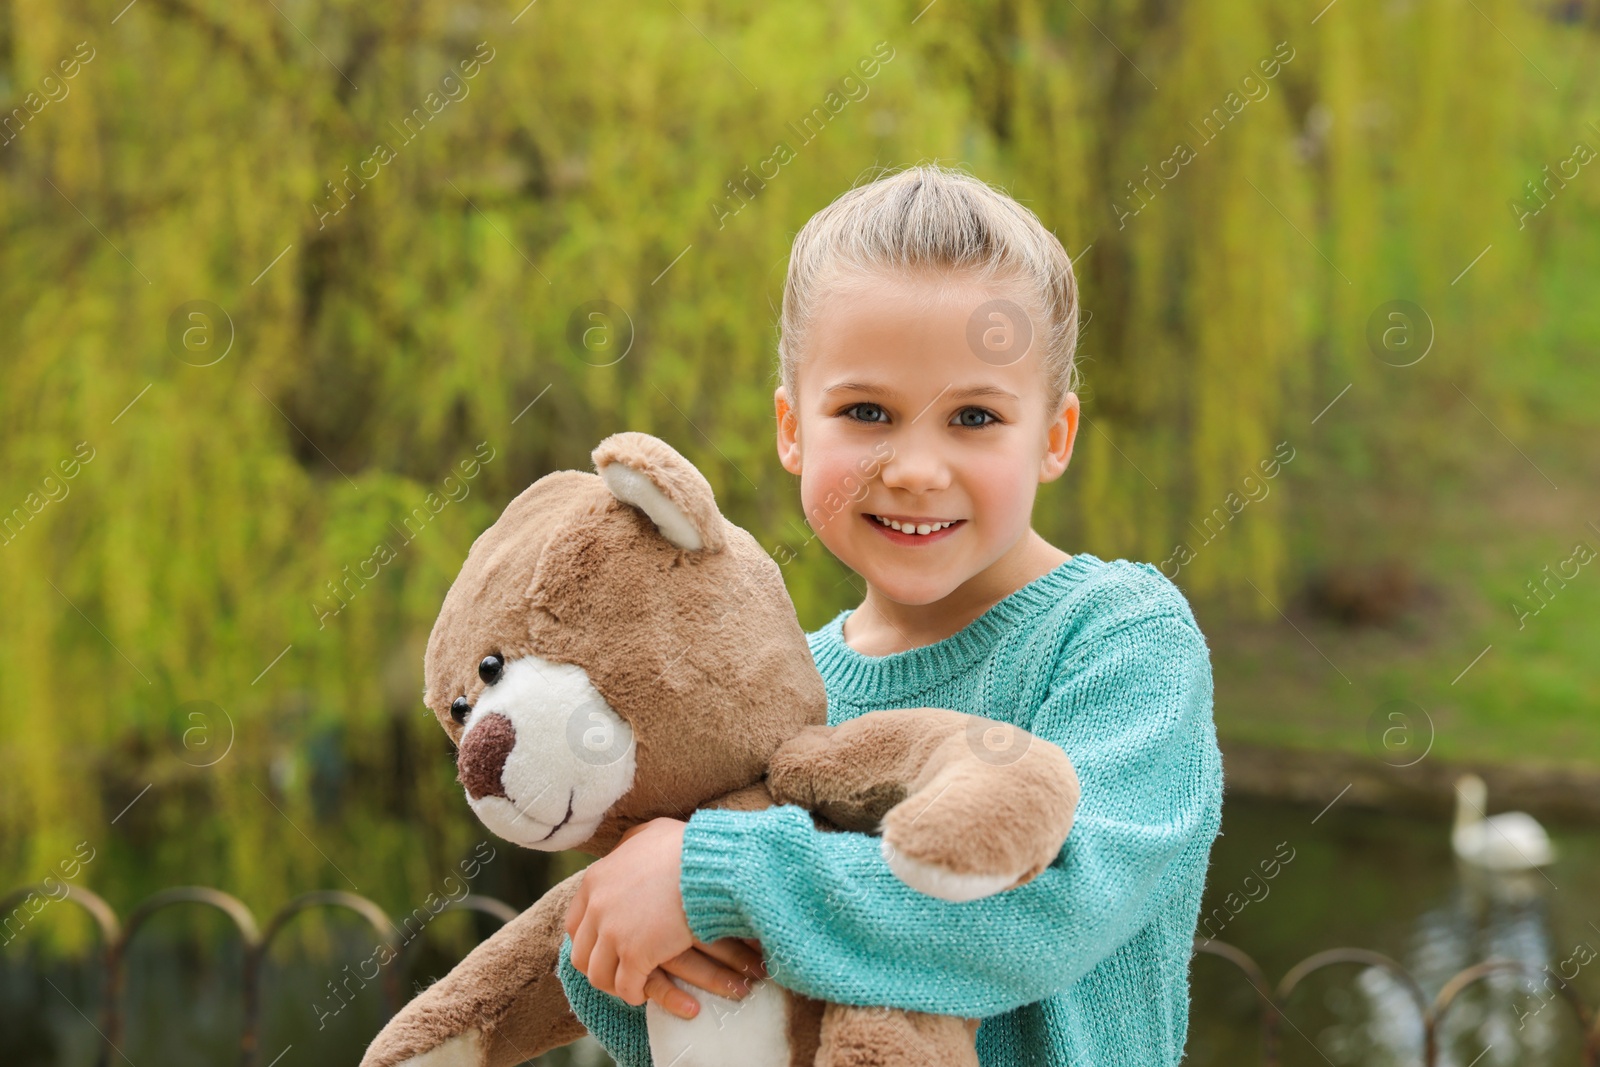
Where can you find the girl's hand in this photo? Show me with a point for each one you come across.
(703, 966)
(629, 930)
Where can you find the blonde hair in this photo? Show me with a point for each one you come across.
(932, 217)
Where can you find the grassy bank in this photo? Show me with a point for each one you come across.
(1470, 677)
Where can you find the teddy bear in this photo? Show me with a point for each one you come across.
(615, 650)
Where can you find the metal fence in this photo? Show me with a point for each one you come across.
(1272, 1000)
(115, 935)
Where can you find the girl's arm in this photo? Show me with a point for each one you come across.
(1132, 707)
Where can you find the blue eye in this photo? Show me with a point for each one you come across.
(855, 411)
(975, 417)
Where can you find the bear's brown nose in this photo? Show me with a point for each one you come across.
(483, 756)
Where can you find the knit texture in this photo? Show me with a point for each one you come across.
(1085, 966)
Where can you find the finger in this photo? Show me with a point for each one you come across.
(603, 964)
(699, 969)
(736, 955)
(759, 951)
(583, 942)
(665, 992)
(630, 982)
(575, 910)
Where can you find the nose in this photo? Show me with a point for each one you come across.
(483, 754)
(916, 468)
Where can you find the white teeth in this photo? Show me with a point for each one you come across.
(922, 528)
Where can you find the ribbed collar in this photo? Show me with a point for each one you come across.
(880, 681)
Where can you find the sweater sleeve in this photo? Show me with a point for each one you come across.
(1131, 705)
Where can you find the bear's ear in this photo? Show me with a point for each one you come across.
(648, 473)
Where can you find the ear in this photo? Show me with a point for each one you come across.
(788, 430)
(649, 474)
(1059, 439)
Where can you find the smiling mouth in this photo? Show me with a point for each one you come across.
(564, 819)
(913, 530)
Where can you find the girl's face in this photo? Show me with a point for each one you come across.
(922, 402)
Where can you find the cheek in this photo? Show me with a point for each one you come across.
(835, 475)
(831, 480)
(1002, 487)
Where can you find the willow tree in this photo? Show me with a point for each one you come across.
(321, 286)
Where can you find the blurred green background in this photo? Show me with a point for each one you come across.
(274, 276)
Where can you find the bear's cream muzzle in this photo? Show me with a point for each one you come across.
(543, 757)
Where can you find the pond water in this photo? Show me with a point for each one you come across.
(1355, 878)
(1285, 882)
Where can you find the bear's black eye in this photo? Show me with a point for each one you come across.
(489, 670)
(460, 709)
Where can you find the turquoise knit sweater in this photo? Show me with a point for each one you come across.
(1088, 964)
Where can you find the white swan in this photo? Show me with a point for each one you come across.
(1510, 841)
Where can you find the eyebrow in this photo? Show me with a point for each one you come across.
(971, 392)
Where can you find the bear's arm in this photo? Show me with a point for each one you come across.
(500, 1006)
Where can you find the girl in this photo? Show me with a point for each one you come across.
(926, 359)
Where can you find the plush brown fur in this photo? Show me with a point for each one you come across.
(700, 652)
